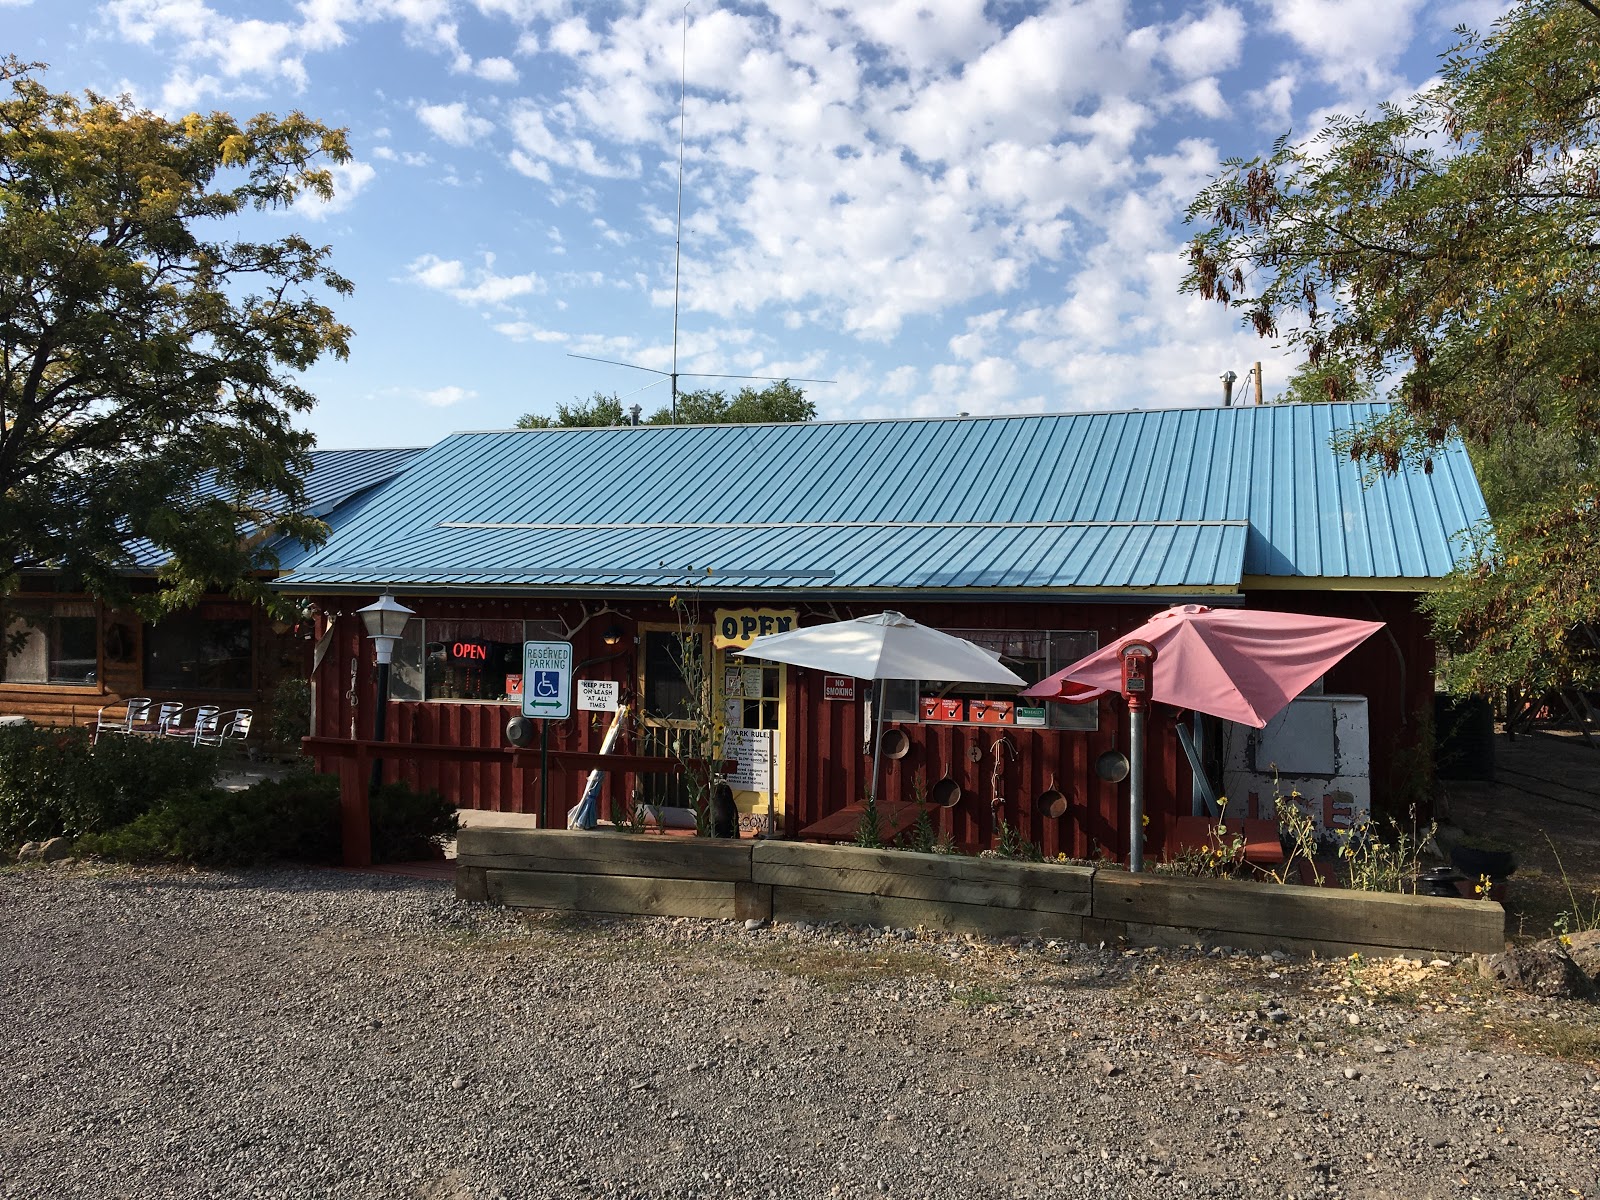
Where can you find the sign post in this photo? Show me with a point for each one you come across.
(546, 697)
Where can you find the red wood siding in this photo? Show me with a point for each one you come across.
(824, 760)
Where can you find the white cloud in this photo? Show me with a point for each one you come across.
(526, 331)
(1275, 101)
(447, 396)
(475, 285)
(453, 123)
(1205, 45)
(496, 70)
(1354, 44)
(349, 181)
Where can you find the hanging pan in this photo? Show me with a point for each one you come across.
(947, 792)
(1053, 801)
(895, 743)
(1112, 766)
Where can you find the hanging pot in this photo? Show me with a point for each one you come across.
(947, 792)
(1112, 766)
(894, 743)
(1053, 801)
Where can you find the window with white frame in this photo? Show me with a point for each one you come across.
(50, 641)
(1031, 653)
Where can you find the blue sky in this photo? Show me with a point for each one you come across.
(942, 205)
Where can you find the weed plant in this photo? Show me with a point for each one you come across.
(1580, 916)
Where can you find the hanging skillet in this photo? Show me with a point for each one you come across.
(1112, 766)
(947, 792)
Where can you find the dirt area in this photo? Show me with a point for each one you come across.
(1545, 804)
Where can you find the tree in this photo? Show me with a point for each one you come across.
(598, 410)
(1448, 246)
(149, 375)
(780, 401)
(1328, 380)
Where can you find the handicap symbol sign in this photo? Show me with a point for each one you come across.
(547, 680)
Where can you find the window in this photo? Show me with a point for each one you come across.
(1032, 654)
(51, 642)
(447, 659)
(206, 649)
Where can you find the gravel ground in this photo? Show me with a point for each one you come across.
(328, 1034)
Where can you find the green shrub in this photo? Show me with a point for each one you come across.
(295, 818)
(52, 781)
(291, 714)
(407, 825)
(39, 768)
(128, 776)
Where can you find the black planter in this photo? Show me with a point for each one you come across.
(1475, 861)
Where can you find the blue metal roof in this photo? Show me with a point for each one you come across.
(337, 483)
(1169, 499)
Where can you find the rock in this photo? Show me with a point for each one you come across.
(1541, 971)
(54, 848)
(1584, 950)
(754, 923)
(30, 850)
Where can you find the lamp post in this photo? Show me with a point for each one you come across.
(386, 622)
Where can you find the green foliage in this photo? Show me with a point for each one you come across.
(295, 819)
(1448, 243)
(291, 713)
(780, 401)
(1009, 843)
(1375, 861)
(868, 833)
(39, 770)
(408, 825)
(53, 782)
(151, 377)
(598, 410)
(1331, 380)
(1524, 612)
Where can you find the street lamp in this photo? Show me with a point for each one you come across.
(386, 622)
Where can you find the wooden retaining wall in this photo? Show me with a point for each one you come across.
(607, 872)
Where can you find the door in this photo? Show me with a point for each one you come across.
(750, 696)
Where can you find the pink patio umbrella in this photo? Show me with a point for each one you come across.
(1239, 664)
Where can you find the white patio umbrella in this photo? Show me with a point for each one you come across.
(884, 646)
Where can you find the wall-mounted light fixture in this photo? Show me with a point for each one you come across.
(612, 636)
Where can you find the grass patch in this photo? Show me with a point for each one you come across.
(977, 996)
(1546, 1037)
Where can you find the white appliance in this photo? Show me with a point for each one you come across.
(1319, 746)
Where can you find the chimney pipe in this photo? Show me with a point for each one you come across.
(1227, 388)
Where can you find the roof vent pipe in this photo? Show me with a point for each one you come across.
(1227, 388)
(635, 411)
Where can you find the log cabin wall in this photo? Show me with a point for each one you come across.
(279, 652)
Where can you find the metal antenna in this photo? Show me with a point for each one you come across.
(677, 252)
(677, 262)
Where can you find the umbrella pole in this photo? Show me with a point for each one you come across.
(1135, 784)
(877, 739)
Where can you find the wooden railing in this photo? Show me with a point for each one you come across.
(355, 760)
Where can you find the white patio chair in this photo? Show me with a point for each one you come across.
(167, 714)
(137, 712)
(200, 729)
(236, 724)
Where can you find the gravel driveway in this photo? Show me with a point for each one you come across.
(292, 1034)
